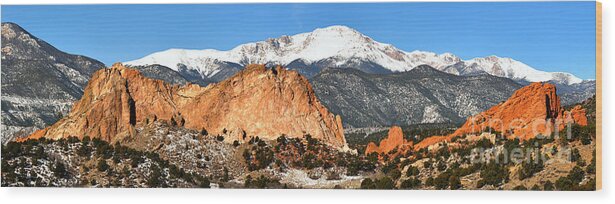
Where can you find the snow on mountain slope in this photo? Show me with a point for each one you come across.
(510, 68)
(341, 47)
(336, 41)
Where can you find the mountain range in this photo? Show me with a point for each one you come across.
(40, 83)
(340, 47)
(421, 95)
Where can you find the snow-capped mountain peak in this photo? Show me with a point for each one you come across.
(510, 68)
(343, 47)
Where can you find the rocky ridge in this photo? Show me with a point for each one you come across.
(421, 95)
(340, 46)
(255, 102)
(39, 82)
(532, 110)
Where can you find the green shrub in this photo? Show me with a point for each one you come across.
(102, 165)
(410, 183)
(412, 171)
(368, 184)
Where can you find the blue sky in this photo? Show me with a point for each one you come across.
(550, 36)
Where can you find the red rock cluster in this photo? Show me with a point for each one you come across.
(394, 140)
(579, 115)
(532, 110)
(254, 102)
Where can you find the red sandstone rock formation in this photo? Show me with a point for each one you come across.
(532, 110)
(579, 115)
(395, 139)
(427, 142)
(254, 102)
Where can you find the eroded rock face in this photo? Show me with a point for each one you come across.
(255, 102)
(579, 115)
(532, 110)
(371, 147)
(395, 139)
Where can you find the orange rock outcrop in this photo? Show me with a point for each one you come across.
(394, 140)
(532, 110)
(254, 102)
(429, 141)
(579, 115)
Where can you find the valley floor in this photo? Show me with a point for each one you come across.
(196, 159)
